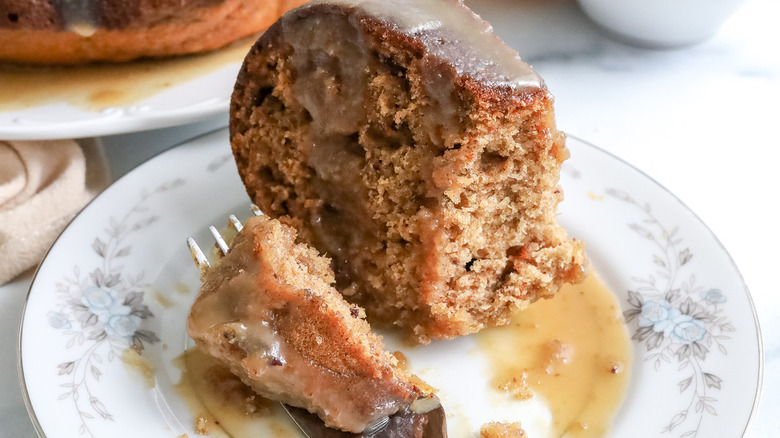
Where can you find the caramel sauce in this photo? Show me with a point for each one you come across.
(139, 364)
(95, 87)
(403, 361)
(574, 351)
(223, 406)
(161, 299)
(182, 288)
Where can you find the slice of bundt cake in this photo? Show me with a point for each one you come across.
(416, 149)
(268, 312)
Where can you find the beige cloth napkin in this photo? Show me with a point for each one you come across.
(43, 184)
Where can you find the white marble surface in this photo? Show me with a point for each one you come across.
(698, 120)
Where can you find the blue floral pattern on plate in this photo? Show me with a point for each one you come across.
(102, 313)
(678, 321)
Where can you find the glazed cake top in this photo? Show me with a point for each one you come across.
(471, 47)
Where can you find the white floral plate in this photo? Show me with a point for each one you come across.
(697, 348)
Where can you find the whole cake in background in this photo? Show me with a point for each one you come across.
(77, 31)
(414, 148)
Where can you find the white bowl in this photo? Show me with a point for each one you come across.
(660, 23)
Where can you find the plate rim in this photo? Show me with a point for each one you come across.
(20, 333)
(756, 323)
(131, 124)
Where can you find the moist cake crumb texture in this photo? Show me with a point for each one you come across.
(267, 311)
(417, 151)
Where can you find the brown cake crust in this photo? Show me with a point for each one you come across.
(422, 156)
(268, 312)
(43, 31)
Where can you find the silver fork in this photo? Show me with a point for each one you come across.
(201, 261)
(425, 415)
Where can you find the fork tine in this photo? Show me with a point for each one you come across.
(235, 223)
(223, 246)
(200, 259)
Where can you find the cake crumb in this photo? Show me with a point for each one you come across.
(517, 387)
(497, 429)
(202, 425)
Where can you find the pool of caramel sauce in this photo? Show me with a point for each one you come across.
(223, 406)
(573, 350)
(95, 87)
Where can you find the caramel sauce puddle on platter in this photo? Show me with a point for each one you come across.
(95, 87)
(573, 350)
(223, 406)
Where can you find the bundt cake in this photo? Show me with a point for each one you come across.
(268, 312)
(418, 151)
(75, 31)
